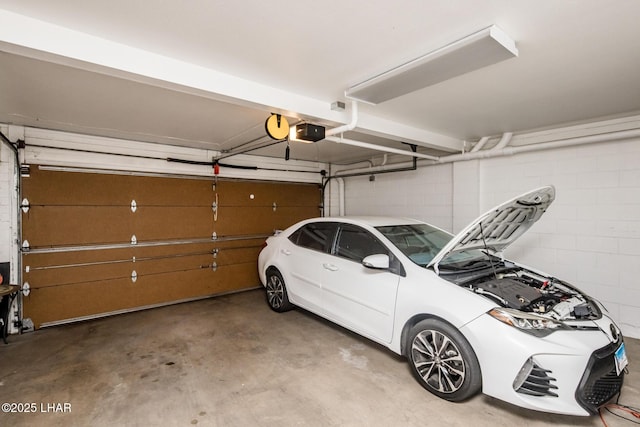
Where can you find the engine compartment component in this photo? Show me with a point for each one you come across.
(526, 291)
(511, 293)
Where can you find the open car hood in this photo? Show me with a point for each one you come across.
(501, 226)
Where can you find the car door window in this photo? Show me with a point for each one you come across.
(355, 243)
(317, 236)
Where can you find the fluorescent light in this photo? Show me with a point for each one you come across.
(486, 47)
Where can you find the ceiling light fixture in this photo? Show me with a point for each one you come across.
(486, 47)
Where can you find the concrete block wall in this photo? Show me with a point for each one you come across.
(425, 194)
(6, 179)
(590, 236)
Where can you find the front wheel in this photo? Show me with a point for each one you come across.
(443, 361)
(277, 297)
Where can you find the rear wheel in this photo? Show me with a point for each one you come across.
(443, 361)
(277, 297)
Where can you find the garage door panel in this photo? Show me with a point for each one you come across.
(54, 188)
(111, 270)
(56, 263)
(238, 193)
(233, 256)
(170, 265)
(163, 191)
(65, 226)
(55, 304)
(238, 221)
(260, 220)
(66, 276)
(76, 225)
(160, 223)
(236, 277)
(298, 195)
(166, 287)
(80, 225)
(163, 288)
(35, 260)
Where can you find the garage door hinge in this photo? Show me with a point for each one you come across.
(215, 252)
(26, 289)
(275, 206)
(134, 206)
(214, 206)
(214, 266)
(26, 246)
(214, 236)
(25, 205)
(134, 240)
(134, 276)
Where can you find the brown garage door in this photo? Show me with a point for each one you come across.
(102, 243)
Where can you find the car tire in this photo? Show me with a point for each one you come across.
(277, 296)
(442, 361)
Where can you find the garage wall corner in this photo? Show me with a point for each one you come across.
(8, 207)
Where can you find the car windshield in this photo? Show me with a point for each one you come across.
(421, 242)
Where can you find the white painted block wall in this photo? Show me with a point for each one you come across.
(590, 236)
(6, 178)
(425, 194)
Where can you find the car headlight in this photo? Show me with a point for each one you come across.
(527, 322)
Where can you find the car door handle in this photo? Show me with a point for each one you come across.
(286, 251)
(330, 267)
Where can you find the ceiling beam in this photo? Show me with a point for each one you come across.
(25, 36)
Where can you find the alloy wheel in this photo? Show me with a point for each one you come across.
(438, 361)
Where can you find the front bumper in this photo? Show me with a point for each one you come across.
(600, 382)
(568, 372)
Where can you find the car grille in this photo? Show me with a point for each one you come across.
(600, 381)
(538, 383)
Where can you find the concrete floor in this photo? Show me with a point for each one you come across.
(230, 361)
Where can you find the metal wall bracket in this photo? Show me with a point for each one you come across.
(134, 206)
(25, 205)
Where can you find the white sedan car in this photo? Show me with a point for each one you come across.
(467, 319)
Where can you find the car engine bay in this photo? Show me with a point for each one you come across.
(527, 291)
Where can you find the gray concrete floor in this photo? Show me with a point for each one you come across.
(230, 361)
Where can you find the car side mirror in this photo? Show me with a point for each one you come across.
(377, 261)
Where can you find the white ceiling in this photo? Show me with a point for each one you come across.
(207, 73)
